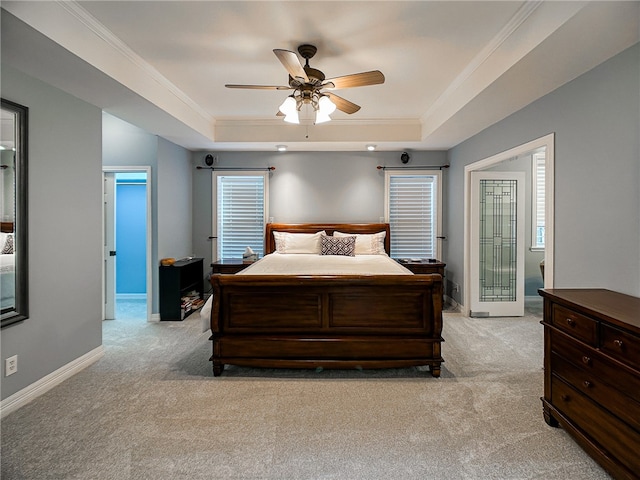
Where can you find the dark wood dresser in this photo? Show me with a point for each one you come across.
(592, 373)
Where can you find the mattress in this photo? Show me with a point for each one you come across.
(313, 264)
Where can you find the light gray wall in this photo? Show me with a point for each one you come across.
(171, 175)
(175, 172)
(307, 187)
(65, 232)
(596, 120)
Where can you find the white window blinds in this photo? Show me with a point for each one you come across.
(538, 200)
(240, 213)
(413, 215)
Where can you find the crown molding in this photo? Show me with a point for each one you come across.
(240, 121)
(69, 25)
(531, 25)
(123, 50)
(476, 62)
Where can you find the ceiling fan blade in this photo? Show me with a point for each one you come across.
(259, 87)
(344, 105)
(374, 77)
(292, 63)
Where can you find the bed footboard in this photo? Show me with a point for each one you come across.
(327, 321)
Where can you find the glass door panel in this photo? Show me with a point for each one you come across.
(497, 252)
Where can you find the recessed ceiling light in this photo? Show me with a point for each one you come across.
(281, 148)
(371, 148)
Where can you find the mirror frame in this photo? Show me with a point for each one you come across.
(21, 220)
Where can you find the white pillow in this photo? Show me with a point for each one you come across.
(367, 244)
(298, 242)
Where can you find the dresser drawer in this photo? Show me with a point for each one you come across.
(612, 435)
(596, 388)
(621, 345)
(597, 364)
(578, 326)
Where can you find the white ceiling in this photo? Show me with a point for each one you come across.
(452, 68)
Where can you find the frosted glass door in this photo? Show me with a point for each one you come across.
(497, 244)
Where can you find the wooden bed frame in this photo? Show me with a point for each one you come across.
(326, 321)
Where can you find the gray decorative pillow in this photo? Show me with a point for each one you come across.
(338, 246)
(8, 245)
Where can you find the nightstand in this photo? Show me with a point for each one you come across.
(422, 266)
(229, 265)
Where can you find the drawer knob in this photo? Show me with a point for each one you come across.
(587, 383)
(564, 397)
(570, 322)
(618, 343)
(586, 360)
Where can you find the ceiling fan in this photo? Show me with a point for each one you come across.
(309, 85)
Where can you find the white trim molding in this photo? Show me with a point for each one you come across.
(548, 142)
(33, 391)
(149, 245)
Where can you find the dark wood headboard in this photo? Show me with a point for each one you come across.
(270, 241)
(6, 227)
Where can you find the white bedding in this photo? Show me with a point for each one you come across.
(7, 280)
(313, 264)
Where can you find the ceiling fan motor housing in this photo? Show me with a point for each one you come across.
(307, 51)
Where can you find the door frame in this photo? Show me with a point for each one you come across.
(547, 141)
(147, 171)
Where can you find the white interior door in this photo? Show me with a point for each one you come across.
(497, 244)
(109, 247)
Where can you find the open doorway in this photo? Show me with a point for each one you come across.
(538, 240)
(127, 243)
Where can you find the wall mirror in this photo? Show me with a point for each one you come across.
(14, 295)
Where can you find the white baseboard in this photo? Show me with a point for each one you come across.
(155, 317)
(33, 391)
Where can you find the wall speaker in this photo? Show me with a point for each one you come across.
(404, 158)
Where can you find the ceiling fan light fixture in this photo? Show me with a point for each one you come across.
(322, 117)
(289, 106)
(326, 106)
(292, 117)
(307, 84)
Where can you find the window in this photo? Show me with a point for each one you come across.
(538, 201)
(239, 212)
(413, 211)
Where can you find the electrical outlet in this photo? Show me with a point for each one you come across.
(10, 365)
(456, 287)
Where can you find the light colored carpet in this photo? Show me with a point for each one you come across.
(151, 409)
